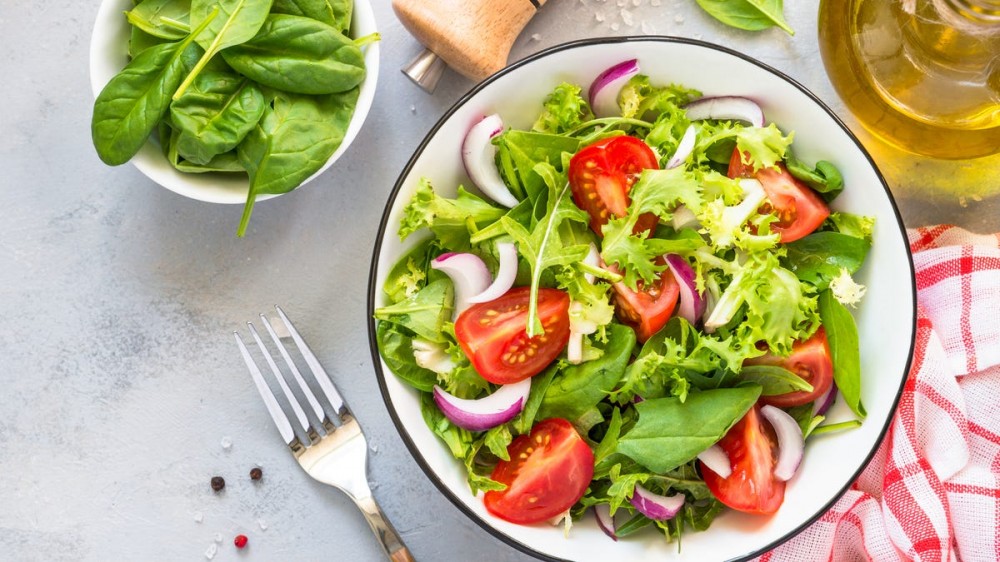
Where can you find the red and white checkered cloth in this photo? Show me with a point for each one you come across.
(932, 491)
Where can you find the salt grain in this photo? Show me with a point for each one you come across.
(627, 17)
(198, 517)
(262, 524)
(648, 28)
(654, 3)
(614, 26)
(413, 109)
(679, 18)
(963, 201)
(599, 16)
(977, 197)
(218, 537)
(636, 2)
(211, 551)
(226, 443)
(536, 37)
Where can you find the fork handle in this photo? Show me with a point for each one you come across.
(386, 534)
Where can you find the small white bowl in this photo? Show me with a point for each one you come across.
(109, 54)
(886, 318)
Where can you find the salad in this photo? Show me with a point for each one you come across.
(645, 316)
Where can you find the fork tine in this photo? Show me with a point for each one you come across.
(299, 413)
(321, 376)
(310, 397)
(280, 420)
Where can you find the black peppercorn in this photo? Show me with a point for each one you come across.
(218, 483)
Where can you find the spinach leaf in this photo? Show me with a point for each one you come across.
(166, 19)
(458, 440)
(396, 350)
(819, 257)
(774, 380)
(237, 21)
(578, 388)
(136, 99)
(215, 114)
(300, 55)
(824, 179)
(670, 433)
(424, 313)
(842, 334)
(292, 141)
(752, 15)
(539, 386)
(225, 162)
(335, 13)
(139, 41)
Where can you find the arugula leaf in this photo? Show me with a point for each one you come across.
(842, 334)
(519, 151)
(543, 247)
(448, 219)
(751, 15)
(670, 433)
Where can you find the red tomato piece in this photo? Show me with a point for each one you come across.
(810, 359)
(752, 452)
(548, 472)
(799, 208)
(601, 175)
(495, 338)
(648, 309)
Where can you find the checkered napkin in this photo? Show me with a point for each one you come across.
(932, 491)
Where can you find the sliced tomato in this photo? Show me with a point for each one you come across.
(548, 472)
(800, 210)
(494, 335)
(752, 451)
(649, 308)
(601, 175)
(810, 359)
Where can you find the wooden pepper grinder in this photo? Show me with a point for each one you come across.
(473, 37)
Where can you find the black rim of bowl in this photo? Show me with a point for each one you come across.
(373, 289)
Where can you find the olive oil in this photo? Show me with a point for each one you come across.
(922, 75)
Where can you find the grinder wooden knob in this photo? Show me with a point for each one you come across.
(474, 37)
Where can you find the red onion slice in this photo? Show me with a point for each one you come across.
(605, 521)
(825, 400)
(484, 413)
(726, 108)
(684, 148)
(791, 445)
(506, 274)
(479, 157)
(717, 460)
(467, 272)
(692, 306)
(604, 90)
(655, 506)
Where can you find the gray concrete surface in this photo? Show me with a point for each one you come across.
(118, 375)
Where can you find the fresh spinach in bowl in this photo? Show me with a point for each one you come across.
(212, 78)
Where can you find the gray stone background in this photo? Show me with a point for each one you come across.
(119, 378)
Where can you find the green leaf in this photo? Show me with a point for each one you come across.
(497, 440)
(751, 15)
(520, 151)
(300, 55)
(396, 349)
(842, 334)
(564, 109)
(448, 219)
(215, 114)
(819, 257)
(293, 140)
(858, 226)
(129, 107)
(578, 388)
(543, 247)
(824, 179)
(670, 433)
(774, 380)
(237, 21)
(424, 313)
(539, 386)
(335, 13)
(166, 19)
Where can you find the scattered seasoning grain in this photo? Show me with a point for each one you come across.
(218, 483)
(256, 473)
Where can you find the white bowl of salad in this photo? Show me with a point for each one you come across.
(636, 292)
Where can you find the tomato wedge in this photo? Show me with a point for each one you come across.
(495, 338)
(752, 452)
(648, 309)
(548, 472)
(601, 175)
(798, 207)
(810, 359)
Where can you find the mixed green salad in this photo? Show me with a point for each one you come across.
(646, 318)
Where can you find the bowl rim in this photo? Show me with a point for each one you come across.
(404, 174)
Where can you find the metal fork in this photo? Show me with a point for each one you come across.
(333, 454)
